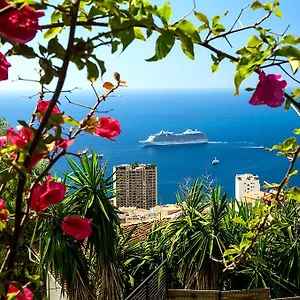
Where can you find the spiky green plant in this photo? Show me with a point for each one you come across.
(86, 269)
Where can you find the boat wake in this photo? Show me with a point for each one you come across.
(232, 142)
(240, 144)
(254, 147)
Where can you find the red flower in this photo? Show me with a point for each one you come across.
(43, 106)
(78, 227)
(3, 211)
(63, 144)
(25, 295)
(3, 141)
(19, 25)
(108, 128)
(4, 65)
(20, 138)
(49, 192)
(269, 90)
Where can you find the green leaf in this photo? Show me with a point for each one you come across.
(69, 120)
(164, 44)
(100, 64)
(187, 45)
(165, 12)
(278, 12)
(54, 47)
(289, 144)
(215, 67)
(202, 27)
(51, 32)
(239, 77)
(248, 89)
(127, 37)
(23, 123)
(55, 16)
(268, 6)
(245, 242)
(288, 51)
(294, 63)
(254, 41)
(92, 71)
(256, 5)
(239, 220)
(230, 252)
(202, 17)
(138, 34)
(296, 93)
(6, 176)
(297, 131)
(189, 29)
(24, 50)
(294, 193)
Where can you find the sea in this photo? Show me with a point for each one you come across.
(236, 132)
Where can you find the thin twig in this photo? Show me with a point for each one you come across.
(86, 106)
(241, 29)
(287, 73)
(238, 17)
(188, 13)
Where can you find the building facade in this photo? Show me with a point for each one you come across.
(245, 183)
(135, 185)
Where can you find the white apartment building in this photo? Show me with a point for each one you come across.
(135, 185)
(245, 183)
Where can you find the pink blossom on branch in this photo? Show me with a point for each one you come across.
(269, 90)
(26, 294)
(108, 128)
(4, 65)
(19, 25)
(19, 138)
(78, 227)
(3, 141)
(63, 144)
(50, 192)
(3, 211)
(43, 106)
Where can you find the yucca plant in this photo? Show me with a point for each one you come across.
(86, 269)
(194, 242)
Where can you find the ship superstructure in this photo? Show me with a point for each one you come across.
(164, 138)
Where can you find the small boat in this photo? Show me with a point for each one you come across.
(215, 161)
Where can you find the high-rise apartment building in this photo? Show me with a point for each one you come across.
(245, 183)
(135, 185)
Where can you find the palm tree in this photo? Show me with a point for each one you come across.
(86, 269)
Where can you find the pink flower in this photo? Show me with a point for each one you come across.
(43, 106)
(49, 192)
(269, 90)
(3, 141)
(3, 211)
(20, 138)
(25, 295)
(4, 65)
(63, 144)
(19, 25)
(108, 128)
(78, 227)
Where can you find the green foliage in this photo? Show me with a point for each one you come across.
(84, 267)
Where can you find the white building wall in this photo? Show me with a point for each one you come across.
(245, 183)
(54, 289)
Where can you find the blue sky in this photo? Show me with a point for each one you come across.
(175, 71)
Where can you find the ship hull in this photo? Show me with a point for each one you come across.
(151, 144)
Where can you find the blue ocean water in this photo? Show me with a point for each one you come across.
(234, 129)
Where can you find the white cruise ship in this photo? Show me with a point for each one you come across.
(165, 138)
